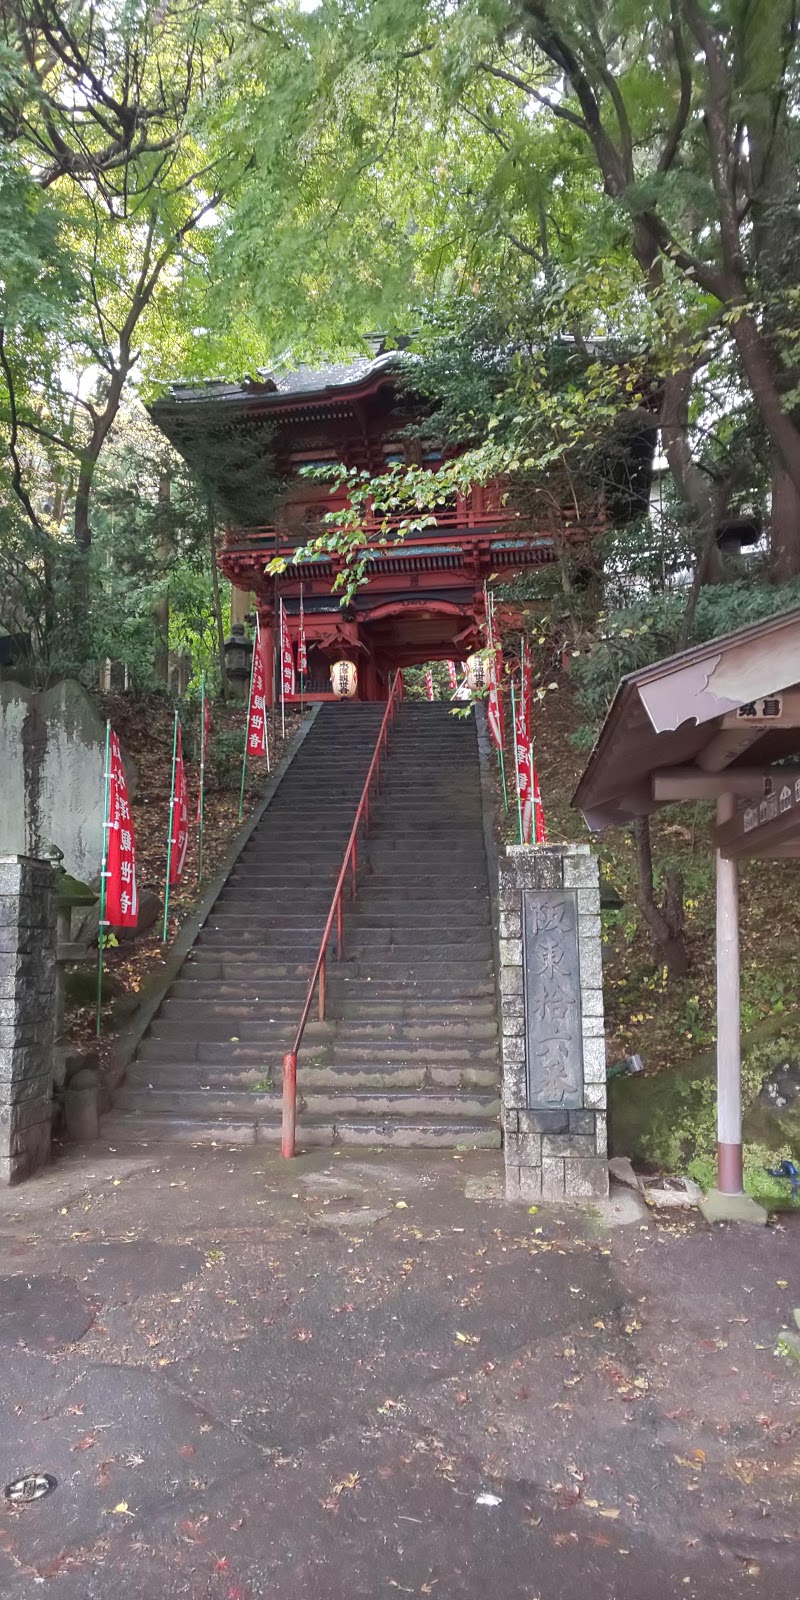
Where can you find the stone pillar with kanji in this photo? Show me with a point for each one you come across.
(551, 980)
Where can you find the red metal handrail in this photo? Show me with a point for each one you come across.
(289, 1108)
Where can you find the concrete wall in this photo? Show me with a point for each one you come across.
(52, 749)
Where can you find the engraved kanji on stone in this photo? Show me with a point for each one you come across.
(554, 1067)
(553, 1051)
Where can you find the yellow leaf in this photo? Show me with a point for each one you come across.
(533, 1211)
(401, 1205)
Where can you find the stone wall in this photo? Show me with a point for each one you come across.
(52, 760)
(27, 1014)
(551, 982)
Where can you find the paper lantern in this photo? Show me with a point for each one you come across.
(477, 673)
(344, 680)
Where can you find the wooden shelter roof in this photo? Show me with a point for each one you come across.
(721, 718)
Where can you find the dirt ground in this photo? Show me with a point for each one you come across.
(365, 1374)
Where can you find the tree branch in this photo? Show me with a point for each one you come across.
(17, 481)
(534, 94)
(676, 132)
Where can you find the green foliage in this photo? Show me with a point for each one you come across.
(415, 685)
(227, 750)
(628, 640)
(669, 1121)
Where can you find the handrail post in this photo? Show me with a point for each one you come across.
(322, 975)
(339, 928)
(354, 864)
(289, 1106)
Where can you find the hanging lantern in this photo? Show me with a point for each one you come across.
(344, 680)
(477, 677)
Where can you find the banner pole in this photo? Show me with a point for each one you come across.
(103, 877)
(516, 762)
(171, 829)
(283, 672)
(247, 727)
(301, 647)
(202, 775)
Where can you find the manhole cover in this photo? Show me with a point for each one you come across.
(34, 1486)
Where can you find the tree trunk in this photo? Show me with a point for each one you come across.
(784, 526)
(665, 921)
(165, 554)
(763, 376)
(212, 539)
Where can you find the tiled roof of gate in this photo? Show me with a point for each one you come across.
(299, 382)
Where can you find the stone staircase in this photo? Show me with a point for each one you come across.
(408, 1053)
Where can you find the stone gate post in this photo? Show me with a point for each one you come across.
(551, 981)
(27, 1014)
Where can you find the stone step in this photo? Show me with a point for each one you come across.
(248, 966)
(448, 919)
(372, 935)
(265, 1105)
(132, 1131)
(295, 946)
(256, 1070)
(248, 987)
(224, 1019)
(373, 1007)
(459, 1056)
(414, 973)
(418, 1029)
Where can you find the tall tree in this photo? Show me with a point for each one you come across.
(446, 137)
(102, 110)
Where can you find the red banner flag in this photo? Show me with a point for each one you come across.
(257, 710)
(525, 756)
(429, 684)
(122, 899)
(302, 652)
(496, 713)
(540, 826)
(287, 659)
(451, 667)
(179, 817)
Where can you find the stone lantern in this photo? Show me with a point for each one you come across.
(238, 659)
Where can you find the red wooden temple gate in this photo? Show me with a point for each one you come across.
(425, 598)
